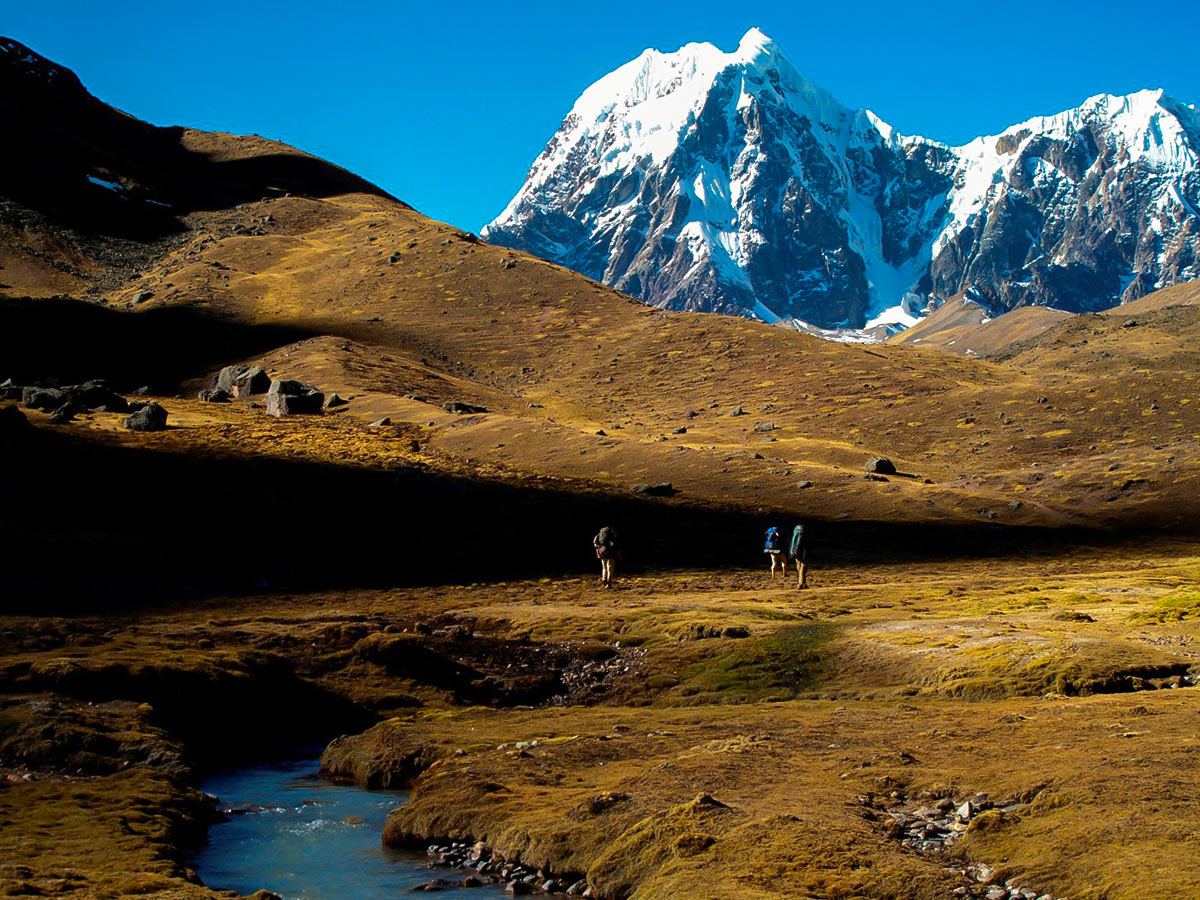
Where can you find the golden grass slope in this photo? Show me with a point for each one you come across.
(557, 359)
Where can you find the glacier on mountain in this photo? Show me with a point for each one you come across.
(729, 182)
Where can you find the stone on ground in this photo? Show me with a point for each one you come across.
(150, 417)
(45, 399)
(880, 465)
(293, 398)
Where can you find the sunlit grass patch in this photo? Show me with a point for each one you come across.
(784, 663)
(1180, 604)
(1000, 605)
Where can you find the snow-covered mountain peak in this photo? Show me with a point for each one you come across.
(661, 91)
(727, 181)
(754, 43)
(1145, 126)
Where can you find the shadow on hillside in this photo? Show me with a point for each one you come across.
(73, 341)
(66, 134)
(90, 526)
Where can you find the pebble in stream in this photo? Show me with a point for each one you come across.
(489, 869)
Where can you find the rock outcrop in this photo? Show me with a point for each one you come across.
(241, 381)
(150, 417)
(292, 398)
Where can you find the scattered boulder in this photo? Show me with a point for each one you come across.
(457, 406)
(680, 430)
(223, 380)
(64, 415)
(737, 411)
(142, 296)
(241, 381)
(508, 263)
(293, 398)
(334, 401)
(252, 381)
(871, 476)
(13, 422)
(45, 399)
(803, 484)
(10, 391)
(662, 489)
(380, 423)
(880, 465)
(143, 391)
(765, 426)
(213, 395)
(150, 417)
(94, 394)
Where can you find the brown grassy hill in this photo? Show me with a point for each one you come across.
(958, 314)
(1186, 294)
(1142, 343)
(962, 327)
(265, 253)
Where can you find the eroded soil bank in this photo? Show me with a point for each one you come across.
(701, 734)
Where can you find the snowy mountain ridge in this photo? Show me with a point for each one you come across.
(729, 182)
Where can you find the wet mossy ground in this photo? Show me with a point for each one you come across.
(781, 707)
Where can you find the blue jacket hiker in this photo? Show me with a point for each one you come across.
(774, 550)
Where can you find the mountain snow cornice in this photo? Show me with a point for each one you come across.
(728, 182)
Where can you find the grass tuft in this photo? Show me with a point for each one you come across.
(1176, 606)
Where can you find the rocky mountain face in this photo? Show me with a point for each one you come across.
(728, 182)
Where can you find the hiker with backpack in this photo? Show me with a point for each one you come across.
(774, 550)
(608, 552)
(798, 553)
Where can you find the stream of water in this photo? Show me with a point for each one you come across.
(303, 837)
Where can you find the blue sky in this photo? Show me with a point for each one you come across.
(446, 104)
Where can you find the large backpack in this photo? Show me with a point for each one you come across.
(772, 544)
(798, 536)
(606, 539)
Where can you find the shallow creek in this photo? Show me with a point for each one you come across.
(300, 836)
